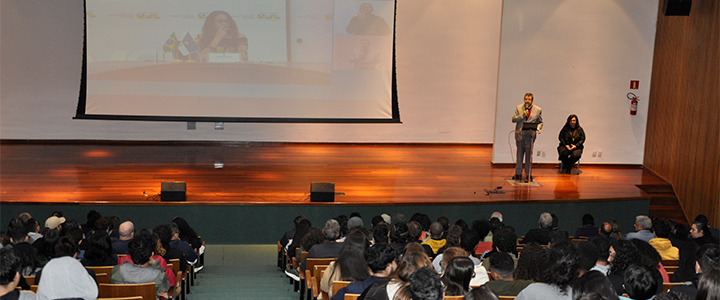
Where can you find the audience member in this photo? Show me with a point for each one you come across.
(381, 232)
(33, 229)
(589, 255)
(502, 269)
(562, 271)
(452, 239)
(381, 262)
(64, 276)
(557, 236)
(445, 222)
(651, 259)
(126, 232)
(398, 236)
(164, 233)
(593, 282)
(301, 230)
(539, 235)
(713, 231)
(330, 248)
(28, 259)
(706, 258)
(92, 217)
(680, 238)
(709, 285)
(425, 285)
(456, 278)
(503, 241)
(411, 261)
(482, 227)
(555, 221)
(641, 282)
(350, 264)
(188, 234)
(616, 233)
(99, 252)
(602, 243)
(143, 268)
(157, 255)
(481, 293)
(10, 268)
(414, 232)
(604, 230)
(185, 247)
(532, 263)
(54, 223)
(288, 235)
(435, 242)
(643, 224)
(588, 228)
(700, 233)
(661, 243)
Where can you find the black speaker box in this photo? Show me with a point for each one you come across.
(676, 7)
(172, 191)
(322, 192)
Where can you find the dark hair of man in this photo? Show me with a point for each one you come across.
(380, 233)
(469, 239)
(312, 238)
(28, 258)
(18, 234)
(102, 224)
(708, 256)
(681, 232)
(555, 221)
(351, 262)
(563, 265)
(32, 225)
(482, 227)
(602, 243)
(593, 282)
(376, 220)
(58, 214)
(453, 237)
(701, 218)
(531, 263)
(68, 225)
(587, 219)
(75, 234)
(9, 265)
(65, 247)
(100, 247)
(297, 219)
(355, 214)
(141, 248)
(424, 221)
(50, 238)
(496, 224)
(462, 224)
(671, 295)
(341, 219)
(92, 216)
(589, 255)
(436, 230)
(648, 252)
(504, 240)
(625, 254)
(414, 231)
(15, 222)
(444, 221)
(709, 285)
(399, 233)
(457, 276)
(379, 256)
(481, 293)
(702, 226)
(425, 285)
(662, 228)
(640, 282)
(502, 264)
(558, 235)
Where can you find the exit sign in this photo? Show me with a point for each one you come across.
(634, 84)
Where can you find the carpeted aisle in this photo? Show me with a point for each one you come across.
(241, 272)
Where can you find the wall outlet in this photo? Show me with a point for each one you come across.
(599, 153)
(594, 153)
(538, 153)
(543, 154)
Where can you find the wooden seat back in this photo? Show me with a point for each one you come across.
(670, 262)
(506, 297)
(451, 298)
(668, 285)
(102, 269)
(30, 280)
(355, 296)
(337, 285)
(102, 278)
(146, 290)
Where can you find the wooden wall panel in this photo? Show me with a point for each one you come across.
(683, 137)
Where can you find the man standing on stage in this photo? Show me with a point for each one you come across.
(526, 113)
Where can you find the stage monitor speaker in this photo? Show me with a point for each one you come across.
(322, 192)
(676, 7)
(172, 191)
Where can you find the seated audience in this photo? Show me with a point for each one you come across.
(593, 282)
(436, 240)
(126, 231)
(188, 234)
(481, 293)
(398, 283)
(616, 233)
(588, 228)
(680, 238)
(329, 249)
(381, 262)
(714, 232)
(700, 233)
(456, 278)
(505, 241)
(350, 264)
(562, 271)
(661, 243)
(185, 247)
(33, 228)
(641, 282)
(64, 276)
(604, 230)
(707, 258)
(589, 255)
(539, 235)
(602, 244)
(157, 255)
(301, 230)
(143, 268)
(381, 233)
(651, 259)
(643, 224)
(557, 236)
(709, 285)
(425, 285)
(398, 236)
(482, 227)
(502, 269)
(10, 267)
(288, 235)
(622, 254)
(99, 252)
(164, 233)
(532, 263)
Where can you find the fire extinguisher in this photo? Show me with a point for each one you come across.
(633, 103)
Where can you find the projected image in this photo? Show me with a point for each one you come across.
(361, 53)
(363, 17)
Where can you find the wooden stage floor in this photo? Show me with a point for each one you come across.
(280, 174)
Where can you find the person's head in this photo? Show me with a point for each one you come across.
(661, 228)
(10, 265)
(698, 229)
(380, 233)
(671, 295)
(531, 263)
(545, 221)
(126, 230)
(593, 282)
(622, 253)
(398, 218)
(312, 238)
(640, 282)
(589, 255)
(450, 253)
(469, 240)
(603, 246)
(174, 231)
(18, 234)
(453, 236)
(414, 231)
(66, 247)
(587, 219)
(701, 218)
(481, 293)
(482, 227)
(54, 222)
(217, 20)
(496, 224)
(25, 216)
(557, 236)
(605, 229)
(642, 222)
(164, 232)
(366, 8)
(376, 220)
(350, 262)
(707, 257)
(399, 233)
(502, 266)
(497, 215)
(528, 99)
(555, 221)
(572, 122)
(563, 265)
(504, 240)
(411, 261)
(187, 233)
(102, 224)
(381, 259)
(75, 234)
(355, 222)
(142, 247)
(436, 230)
(709, 285)
(457, 276)
(651, 257)
(297, 219)
(99, 246)
(424, 221)
(425, 285)
(92, 216)
(32, 225)
(50, 238)
(331, 231)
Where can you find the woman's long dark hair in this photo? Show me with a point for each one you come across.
(457, 276)
(100, 248)
(351, 262)
(567, 123)
(208, 29)
(626, 254)
(187, 234)
(563, 265)
(593, 282)
(532, 261)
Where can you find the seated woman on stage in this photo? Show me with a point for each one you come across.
(572, 138)
(220, 34)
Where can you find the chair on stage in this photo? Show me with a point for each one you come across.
(146, 290)
(577, 167)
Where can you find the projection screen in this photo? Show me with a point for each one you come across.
(239, 61)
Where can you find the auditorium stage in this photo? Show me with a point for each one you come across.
(280, 174)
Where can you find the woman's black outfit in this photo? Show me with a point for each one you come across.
(570, 136)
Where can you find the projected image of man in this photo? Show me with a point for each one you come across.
(366, 23)
(220, 35)
(526, 113)
(365, 57)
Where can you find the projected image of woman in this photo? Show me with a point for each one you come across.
(220, 35)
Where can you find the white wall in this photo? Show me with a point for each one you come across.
(577, 56)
